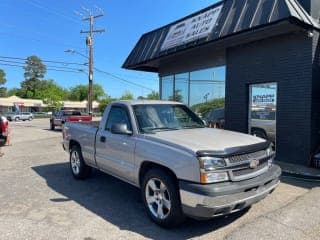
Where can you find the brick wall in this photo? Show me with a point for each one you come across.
(286, 60)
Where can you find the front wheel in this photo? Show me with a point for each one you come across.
(161, 198)
(78, 167)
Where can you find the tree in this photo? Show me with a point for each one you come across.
(13, 92)
(177, 96)
(80, 92)
(51, 94)
(3, 80)
(34, 73)
(153, 95)
(126, 96)
(203, 108)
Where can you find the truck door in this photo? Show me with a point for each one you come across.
(115, 152)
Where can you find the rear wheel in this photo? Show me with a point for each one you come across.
(161, 198)
(78, 167)
(259, 133)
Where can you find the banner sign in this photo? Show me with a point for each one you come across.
(192, 28)
(265, 99)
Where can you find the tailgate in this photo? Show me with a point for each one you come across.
(79, 119)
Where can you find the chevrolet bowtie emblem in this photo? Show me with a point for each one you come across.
(254, 163)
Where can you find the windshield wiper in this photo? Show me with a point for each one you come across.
(193, 126)
(163, 128)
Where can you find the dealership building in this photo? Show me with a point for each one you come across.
(261, 56)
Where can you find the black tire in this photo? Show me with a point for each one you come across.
(174, 216)
(52, 126)
(259, 133)
(83, 171)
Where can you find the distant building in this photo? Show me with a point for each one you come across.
(36, 105)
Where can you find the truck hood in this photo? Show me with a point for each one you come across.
(205, 139)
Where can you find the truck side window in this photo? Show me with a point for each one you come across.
(118, 115)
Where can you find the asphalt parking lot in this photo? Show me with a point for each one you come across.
(39, 199)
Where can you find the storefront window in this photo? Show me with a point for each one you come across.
(207, 85)
(182, 88)
(167, 87)
(196, 89)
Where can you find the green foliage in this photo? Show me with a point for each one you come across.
(34, 69)
(126, 96)
(104, 102)
(34, 73)
(51, 94)
(80, 92)
(3, 79)
(3, 92)
(13, 92)
(177, 96)
(153, 95)
(203, 108)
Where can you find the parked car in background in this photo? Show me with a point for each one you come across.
(63, 116)
(215, 118)
(16, 116)
(4, 131)
(263, 123)
(182, 167)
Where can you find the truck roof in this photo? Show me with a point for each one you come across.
(138, 102)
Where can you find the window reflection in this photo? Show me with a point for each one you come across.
(167, 88)
(182, 88)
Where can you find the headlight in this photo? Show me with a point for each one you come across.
(211, 163)
(208, 165)
(270, 153)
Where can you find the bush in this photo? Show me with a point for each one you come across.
(203, 108)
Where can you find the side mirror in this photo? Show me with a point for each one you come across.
(120, 128)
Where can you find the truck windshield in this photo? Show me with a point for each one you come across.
(165, 117)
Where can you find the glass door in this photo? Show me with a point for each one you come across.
(262, 110)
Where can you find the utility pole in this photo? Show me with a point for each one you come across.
(89, 42)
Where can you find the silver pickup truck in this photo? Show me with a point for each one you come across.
(182, 167)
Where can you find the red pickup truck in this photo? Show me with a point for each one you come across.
(63, 116)
(3, 130)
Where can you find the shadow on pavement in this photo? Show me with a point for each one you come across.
(120, 204)
(300, 182)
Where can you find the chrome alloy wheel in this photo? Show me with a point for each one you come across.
(75, 162)
(158, 198)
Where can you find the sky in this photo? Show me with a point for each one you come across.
(47, 28)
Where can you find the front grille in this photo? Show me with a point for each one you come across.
(246, 171)
(248, 156)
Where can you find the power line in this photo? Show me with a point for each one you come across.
(49, 61)
(122, 79)
(49, 69)
(40, 6)
(54, 68)
(48, 66)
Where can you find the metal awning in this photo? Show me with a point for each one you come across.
(227, 18)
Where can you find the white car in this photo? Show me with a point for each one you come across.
(20, 116)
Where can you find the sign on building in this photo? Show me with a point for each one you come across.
(191, 29)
